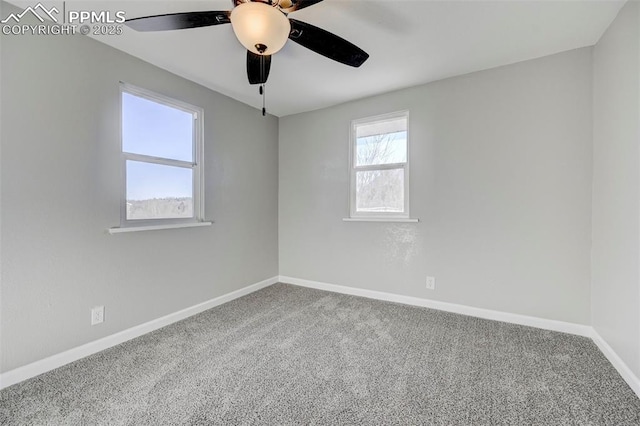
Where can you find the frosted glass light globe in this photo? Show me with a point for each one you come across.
(258, 25)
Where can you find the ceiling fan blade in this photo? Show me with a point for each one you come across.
(258, 67)
(179, 21)
(326, 44)
(298, 4)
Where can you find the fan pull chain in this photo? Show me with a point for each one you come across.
(262, 86)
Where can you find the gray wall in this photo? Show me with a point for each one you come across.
(60, 193)
(616, 186)
(500, 180)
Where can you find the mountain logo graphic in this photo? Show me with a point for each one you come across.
(43, 11)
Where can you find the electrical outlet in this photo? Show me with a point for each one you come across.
(431, 283)
(97, 315)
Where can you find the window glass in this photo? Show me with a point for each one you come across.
(380, 191)
(379, 166)
(385, 148)
(156, 130)
(161, 147)
(157, 191)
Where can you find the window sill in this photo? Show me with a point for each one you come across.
(157, 227)
(381, 219)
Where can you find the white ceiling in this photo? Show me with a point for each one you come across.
(411, 42)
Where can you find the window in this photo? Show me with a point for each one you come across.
(161, 152)
(380, 166)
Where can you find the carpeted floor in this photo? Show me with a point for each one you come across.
(290, 355)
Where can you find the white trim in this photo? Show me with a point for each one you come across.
(157, 227)
(159, 98)
(547, 324)
(376, 167)
(353, 169)
(565, 327)
(141, 158)
(42, 366)
(632, 380)
(380, 219)
(196, 165)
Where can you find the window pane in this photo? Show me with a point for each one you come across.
(154, 129)
(156, 191)
(380, 191)
(381, 142)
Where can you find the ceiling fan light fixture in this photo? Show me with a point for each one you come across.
(260, 28)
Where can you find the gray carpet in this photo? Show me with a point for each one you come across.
(290, 355)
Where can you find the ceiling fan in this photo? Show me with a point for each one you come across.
(262, 27)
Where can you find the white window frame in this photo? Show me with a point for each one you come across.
(353, 169)
(196, 166)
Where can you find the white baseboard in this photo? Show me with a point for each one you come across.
(36, 368)
(547, 324)
(632, 380)
(553, 325)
